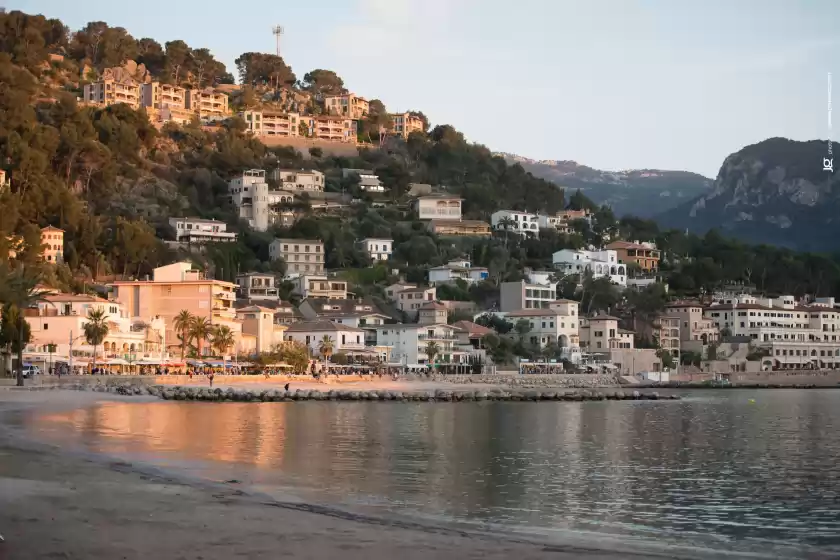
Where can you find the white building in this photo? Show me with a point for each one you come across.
(522, 295)
(368, 180)
(519, 222)
(412, 299)
(377, 249)
(196, 230)
(796, 335)
(438, 207)
(299, 180)
(558, 325)
(453, 271)
(302, 256)
(319, 286)
(602, 264)
(257, 286)
(409, 343)
(250, 194)
(345, 339)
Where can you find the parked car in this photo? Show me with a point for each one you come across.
(29, 370)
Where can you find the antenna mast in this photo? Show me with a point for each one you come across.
(278, 32)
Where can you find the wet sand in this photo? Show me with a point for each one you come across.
(59, 503)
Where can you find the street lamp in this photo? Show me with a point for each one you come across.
(51, 350)
(72, 340)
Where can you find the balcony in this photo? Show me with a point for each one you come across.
(436, 337)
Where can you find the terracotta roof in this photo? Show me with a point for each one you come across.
(459, 222)
(414, 290)
(628, 245)
(321, 326)
(472, 328)
(51, 228)
(70, 298)
(253, 308)
(433, 305)
(603, 318)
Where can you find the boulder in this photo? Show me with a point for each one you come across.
(549, 395)
(315, 395)
(532, 395)
(481, 395)
(398, 395)
(637, 395)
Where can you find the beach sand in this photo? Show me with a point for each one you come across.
(59, 503)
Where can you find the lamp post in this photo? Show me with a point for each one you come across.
(72, 340)
(51, 349)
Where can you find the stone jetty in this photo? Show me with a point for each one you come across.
(178, 393)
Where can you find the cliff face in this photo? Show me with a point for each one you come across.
(774, 192)
(640, 192)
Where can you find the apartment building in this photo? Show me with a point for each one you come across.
(319, 286)
(438, 207)
(601, 264)
(453, 271)
(644, 255)
(59, 320)
(377, 249)
(393, 290)
(412, 299)
(115, 86)
(696, 331)
(330, 127)
(523, 223)
(259, 322)
(208, 103)
(198, 231)
(666, 332)
(177, 287)
(796, 335)
(165, 102)
(459, 228)
(409, 343)
(557, 325)
(347, 105)
(601, 334)
(258, 202)
(515, 296)
(301, 255)
(562, 221)
(406, 123)
(299, 180)
(257, 286)
(272, 123)
(52, 244)
(356, 313)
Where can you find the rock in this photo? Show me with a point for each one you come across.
(481, 395)
(549, 395)
(637, 395)
(532, 395)
(654, 396)
(352, 396)
(398, 395)
(442, 395)
(316, 395)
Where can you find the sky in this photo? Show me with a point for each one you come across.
(612, 84)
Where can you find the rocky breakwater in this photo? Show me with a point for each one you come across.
(208, 394)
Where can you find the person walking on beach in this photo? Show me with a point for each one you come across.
(286, 388)
(210, 376)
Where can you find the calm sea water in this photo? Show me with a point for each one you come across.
(714, 470)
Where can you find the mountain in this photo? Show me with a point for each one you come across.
(640, 192)
(773, 192)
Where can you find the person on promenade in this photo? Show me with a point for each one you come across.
(210, 377)
(286, 387)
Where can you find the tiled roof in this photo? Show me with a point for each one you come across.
(472, 328)
(321, 326)
(433, 305)
(534, 313)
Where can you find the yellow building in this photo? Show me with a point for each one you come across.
(165, 102)
(462, 228)
(115, 86)
(406, 123)
(178, 287)
(259, 322)
(272, 123)
(347, 105)
(645, 255)
(207, 103)
(52, 244)
(330, 127)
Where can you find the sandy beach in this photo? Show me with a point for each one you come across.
(59, 503)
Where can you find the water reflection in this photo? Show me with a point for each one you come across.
(712, 467)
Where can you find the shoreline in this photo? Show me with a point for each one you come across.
(68, 503)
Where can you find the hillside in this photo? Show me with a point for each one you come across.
(639, 192)
(773, 192)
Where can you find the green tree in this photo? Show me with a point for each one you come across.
(200, 331)
(293, 353)
(183, 324)
(222, 339)
(177, 60)
(432, 350)
(264, 69)
(323, 82)
(325, 347)
(95, 329)
(522, 327)
(666, 357)
(18, 291)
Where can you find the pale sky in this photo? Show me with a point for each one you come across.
(613, 84)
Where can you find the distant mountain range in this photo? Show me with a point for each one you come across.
(773, 192)
(641, 192)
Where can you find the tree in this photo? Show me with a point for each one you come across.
(200, 330)
(295, 354)
(420, 115)
(432, 350)
(323, 82)
(522, 327)
(183, 324)
(95, 329)
(222, 339)
(178, 57)
(264, 69)
(18, 291)
(666, 357)
(325, 347)
(316, 152)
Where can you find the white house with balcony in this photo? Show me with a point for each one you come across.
(438, 207)
(368, 180)
(299, 180)
(409, 343)
(523, 223)
(524, 295)
(198, 231)
(377, 249)
(345, 338)
(453, 271)
(602, 264)
(257, 286)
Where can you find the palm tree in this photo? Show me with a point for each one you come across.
(222, 339)
(325, 347)
(432, 350)
(200, 330)
(95, 329)
(183, 323)
(18, 291)
(506, 223)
